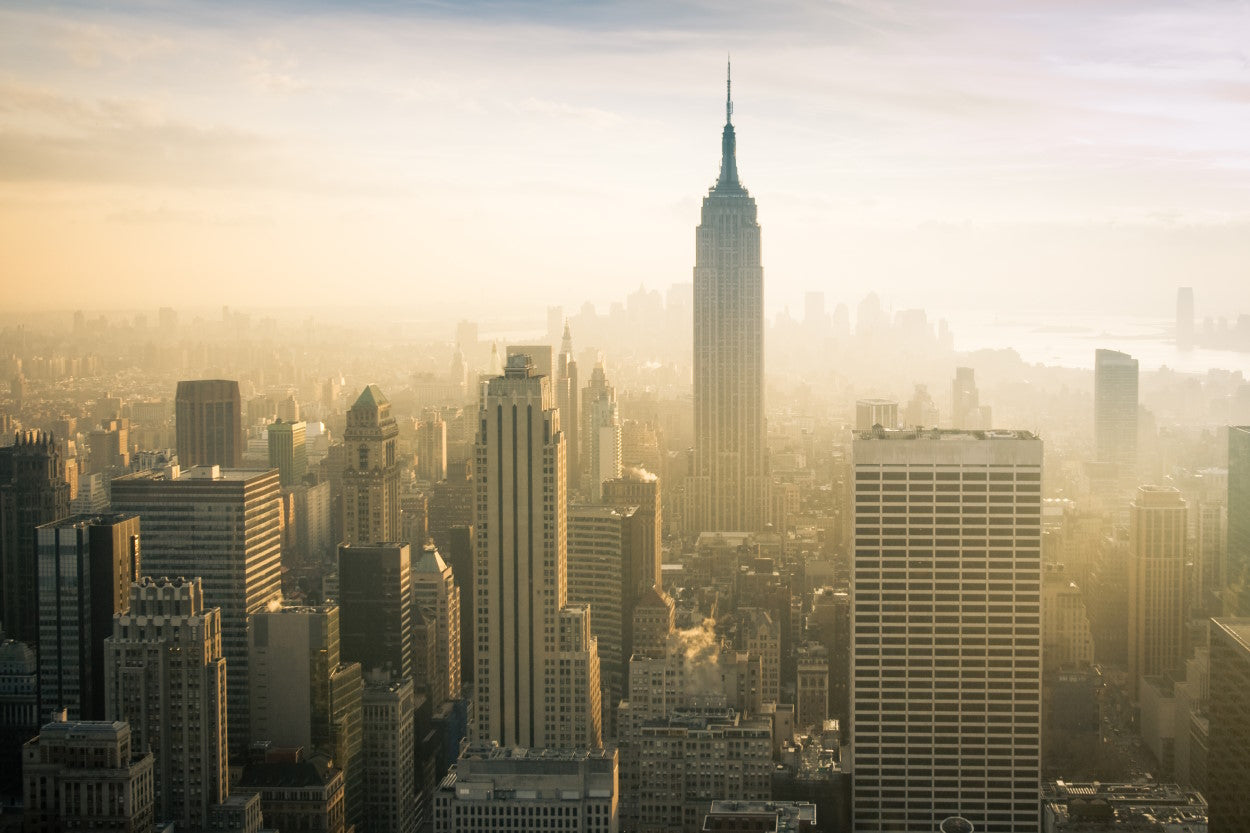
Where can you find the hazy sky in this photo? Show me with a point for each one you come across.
(1089, 154)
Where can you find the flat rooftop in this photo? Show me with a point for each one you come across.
(943, 434)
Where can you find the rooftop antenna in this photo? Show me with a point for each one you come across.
(729, 104)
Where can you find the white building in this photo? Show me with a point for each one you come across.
(946, 659)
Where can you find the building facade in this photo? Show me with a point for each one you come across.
(946, 657)
(1228, 753)
(165, 676)
(208, 423)
(375, 607)
(520, 523)
(1115, 411)
(86, 566)
(1157, 609)
(370, 471)
(602, 433)
(437, 595)
(729, 486)
(288, 451)
(225, 527)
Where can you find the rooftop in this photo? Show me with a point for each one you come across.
(943, 434)
(1238, 629)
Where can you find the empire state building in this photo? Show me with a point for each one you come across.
(729, 487)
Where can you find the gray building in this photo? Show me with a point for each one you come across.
(86, 566)
(375, 607)
(288, 452)
(1115, 411)
(208, 423)
(517, 790)
(225, 527)
(728, 489)
(165, 677)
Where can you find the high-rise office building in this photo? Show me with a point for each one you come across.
(33, 491)
(224, 526)
(1115, 411)
(436, 593)
(946, 657)
(729, 486)
(521, 577)
(208, 423)
(87, 775)
(1228, 713)
(602, 432)
(602, 542)
(1156, 606)
(568, 401)
(641, 572)
(1237, 563)
(165, 677)
(371, 471)
(86, 566)
(388, 712)
(431, 449)
(375, 607)
(288, 453)
(967, 412)
(303, 695)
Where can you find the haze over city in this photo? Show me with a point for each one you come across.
(499, 417)
(1048, 156)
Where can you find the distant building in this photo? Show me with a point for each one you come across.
(811, 699)
(208, 423)
(1156, 632)
(165, 676)
(602, 433)
(371, 471)
(729, 484)
(568, 401)
(1237, 574)
(86, 566)
(224, 526)
(288, 452)
(517, 790)
(431, 449)
(1228, 756)
(967, 412)
(87, 776)
(33, 491)
(1115, 411)
(870, 412)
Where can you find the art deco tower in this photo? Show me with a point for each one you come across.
(729, 489)
(371, 473)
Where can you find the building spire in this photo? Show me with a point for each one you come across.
(728, 180)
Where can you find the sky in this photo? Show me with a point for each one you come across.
(499, 157)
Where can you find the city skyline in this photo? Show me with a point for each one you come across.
(398, 145)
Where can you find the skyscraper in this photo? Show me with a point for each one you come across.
(165, 676)
(225, 527)
(603, 432)
(33, 491)
(729, 486)
(208, 423)
(1115, 411)
(946, 658)
(1228, 758)
(521, 563)
(967, 412)
(375, 607)
(86, 566)
(1237, 570)
(436, 594)
(1157, 603)
(371, 471)
(388, 710)
(303, 695)
(288, 453)
(567, 400)
(431, 449)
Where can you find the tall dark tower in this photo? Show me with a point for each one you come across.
(729, 488)
(33, 491)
